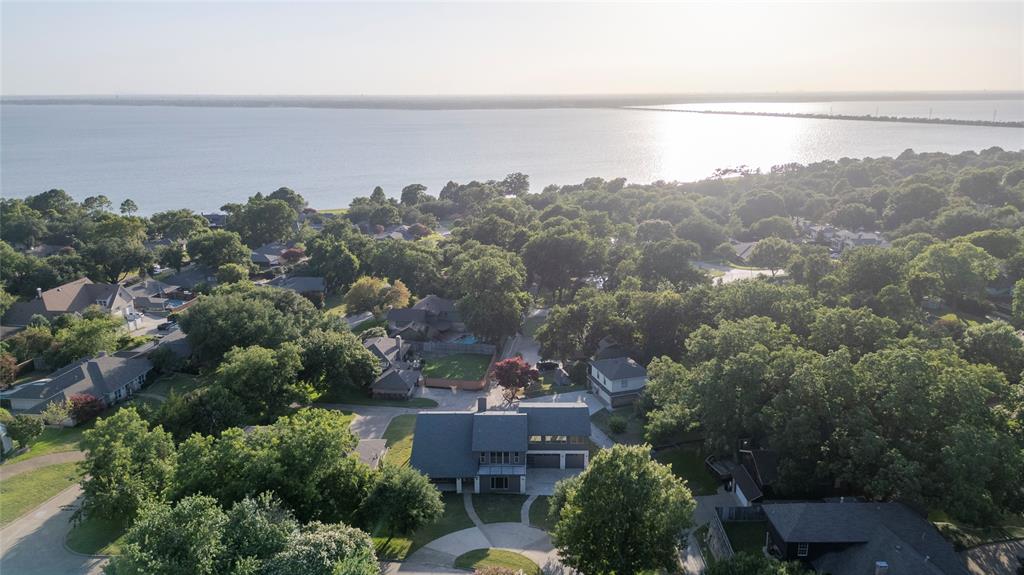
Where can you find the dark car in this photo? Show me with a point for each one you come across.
(548, 365)
(167, 325)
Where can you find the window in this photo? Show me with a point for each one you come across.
(558, 439)
(483, 457)
(801, 549)
(499, 483)
(515, 458)
(576, 440)
(536, 439)
(623, 385)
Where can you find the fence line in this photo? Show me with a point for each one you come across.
(752, 513)
(718, 541)
(443, 347)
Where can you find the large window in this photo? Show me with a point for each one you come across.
(503, 457)
(499, 483)
(801, 549)
(536, 439)
(483, 457)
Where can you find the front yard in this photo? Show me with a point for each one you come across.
(177, 383)
(356, 396)
(454, 519)
(482, 558)
(498, 507)
(688, 463)
(399, 437)
(458, 366)
(22, 493)
(52, 440)
(634, 433)
(539, 511)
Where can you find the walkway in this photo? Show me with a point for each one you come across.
(34, 543)
(11, 469)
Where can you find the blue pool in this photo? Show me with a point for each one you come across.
(468, 339)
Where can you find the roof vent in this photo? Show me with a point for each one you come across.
(881, 568)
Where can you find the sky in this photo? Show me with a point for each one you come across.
(278, 48)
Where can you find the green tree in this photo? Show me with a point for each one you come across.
(172, 256)
(265, 381)
(113, 258)
(24, 429)
(401, 501)
(258, 528)
(772, 253)
(178, 225)
(126, 465)
(232, 273)
(412, 194)
(773, 227)
(622, 515)
(995, 343)
(218, 247)
(750, 564)
(331, 359)
(913, 202)
(376, 295)
(330, 258)
(261, 220)
(289, 196)
(493, 302)
(83, 338)
(982, 186)
(858, 329)
(1018, 301)
(515, 184)
(129, 207)
(325, 549)
(962, 270)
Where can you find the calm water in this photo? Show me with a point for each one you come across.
(990, 110)
(202, 158)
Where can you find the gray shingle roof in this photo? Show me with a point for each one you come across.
(746, 483)
(619, 368)
(499, 431)
(442, 444)
(98, 376)
(557, 418)
(300, 284)
(396, 381)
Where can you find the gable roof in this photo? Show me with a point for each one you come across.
(435, 304)
(557, 418)
(72, 297)
(396, 380)
(97, 376)
(499, 431)
(765, 463)
(889, 532)
(746, 483)
(616, 368)
(384, 348)
(300, 284)
(442, 444)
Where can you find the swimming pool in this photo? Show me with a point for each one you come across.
(467, 339)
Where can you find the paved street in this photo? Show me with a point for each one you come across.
(34, 544)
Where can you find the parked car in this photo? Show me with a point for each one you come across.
(548, 365)
(167, 325)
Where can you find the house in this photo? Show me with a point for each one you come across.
(185, 281)
(845, 240)
(150, 294)
(269, 255)
(743, 250)
(109, 378)
(216, 220)
(73, 297)
(311, 287)
(397, 380)
(372, 451)
(401, 232)
(492, 450)
(854, 538)
(432, 318)
(617, 381)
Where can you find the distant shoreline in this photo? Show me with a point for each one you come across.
(856, 118)
(493, 102)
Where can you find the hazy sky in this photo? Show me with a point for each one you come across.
(333, 48)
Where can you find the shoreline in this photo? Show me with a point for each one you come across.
(845, 117)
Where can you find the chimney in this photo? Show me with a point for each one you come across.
(39, 293)
(481, 404)
(881, 568)
(398, 343)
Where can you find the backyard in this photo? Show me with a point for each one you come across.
(399, 437)
(357, 396)
(27, 491)
(498, 507)
(634, 433)
(546, 386)
(457, 366)
(178, 383)
(482, 558)
(688, 463)
(966, 536)
(746, 536)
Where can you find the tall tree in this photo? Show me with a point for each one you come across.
(401, 501)
(512, 375)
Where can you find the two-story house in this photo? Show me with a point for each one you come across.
(396, 380)
(491, 450)
(617, 381)
(431, 318)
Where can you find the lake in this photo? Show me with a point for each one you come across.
(166, 157)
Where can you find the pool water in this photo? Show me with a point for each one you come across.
(467, 339)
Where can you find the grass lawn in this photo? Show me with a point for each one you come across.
(355, 396)
(22, 493)
(179, 383)
(539, 513)
(498, 507)
(465, 366)
(335, 211)
(454, 519)
(480, 558)
(334, 305)
(634, 434)
(382, 322)
(547, 387)
(966, 536)
(532, 324)
(688, 463)
(94, 536)
(52, 440)
(746, 535)
(399, 438)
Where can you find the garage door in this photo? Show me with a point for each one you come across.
(574, 461)
(542, 459)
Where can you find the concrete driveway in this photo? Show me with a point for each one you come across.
(541, 481)
(34, 543)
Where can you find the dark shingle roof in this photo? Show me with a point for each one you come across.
(619, 368)
(766, 465)
(889, 532)
(499, 431)
(435, 304)
(385, 348)
(442, 444)
(557, 418)
(300, 284)
(98, 376)
(746, 483)
(396, 381)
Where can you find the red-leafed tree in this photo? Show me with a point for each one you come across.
(513, 374)
(85, 407)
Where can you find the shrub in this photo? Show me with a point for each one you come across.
(617, 424)
(24, 429)
(85, 407)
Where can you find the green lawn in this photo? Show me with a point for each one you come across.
(480, 558)
(463, 366)
(688, 463)
(539, 513)
(746, 535)
(547, 387)
(454, 519)
(95, 536)
(22, 493)
(399, 438)
(52, 440)
(498, 507)
(966, 536)
(532, 324)
(179, 383)
(634, 434)
(335, 211)
(368, 324)
(356, 396)
(333, 304)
